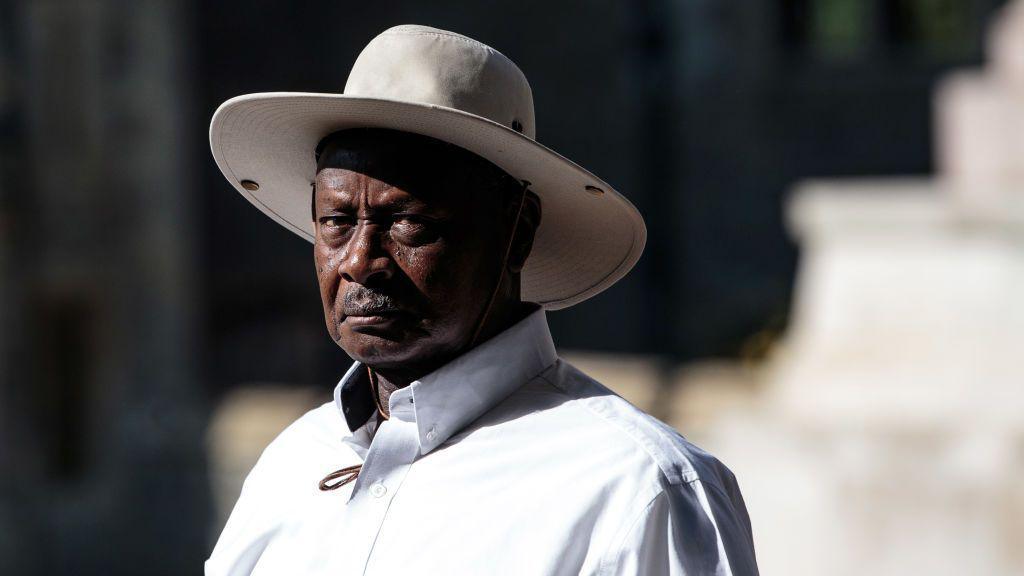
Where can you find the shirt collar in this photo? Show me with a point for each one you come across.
(459, 392)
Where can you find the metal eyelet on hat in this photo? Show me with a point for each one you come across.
(593, 190)
(250, 185)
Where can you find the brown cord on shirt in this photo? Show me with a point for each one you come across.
(347, 474)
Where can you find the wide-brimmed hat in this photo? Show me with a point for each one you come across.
(455, 89)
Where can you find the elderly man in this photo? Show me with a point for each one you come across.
(458, 442)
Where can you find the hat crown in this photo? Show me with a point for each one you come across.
(429, 66)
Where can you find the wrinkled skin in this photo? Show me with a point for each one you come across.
(409, 249)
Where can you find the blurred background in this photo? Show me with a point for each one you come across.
(829, 299)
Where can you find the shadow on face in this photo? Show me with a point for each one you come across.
(410, 237)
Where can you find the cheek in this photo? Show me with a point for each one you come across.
(452, 279)
(326, 274)
(427, 267)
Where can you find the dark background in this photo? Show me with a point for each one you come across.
(136, 287)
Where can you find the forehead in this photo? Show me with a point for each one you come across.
(344, 186)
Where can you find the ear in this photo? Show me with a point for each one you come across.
(522, 243)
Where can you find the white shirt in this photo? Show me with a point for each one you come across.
(507, 460)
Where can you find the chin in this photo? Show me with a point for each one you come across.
(378, 349)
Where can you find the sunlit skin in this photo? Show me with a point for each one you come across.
(408, 250)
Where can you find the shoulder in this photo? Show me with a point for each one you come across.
(318, 426)
(694, 493)
(284, 474)
(300, 451)
(677, 460)
(653, 482)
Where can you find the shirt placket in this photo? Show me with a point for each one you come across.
(394, 448)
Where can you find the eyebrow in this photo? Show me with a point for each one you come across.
(340, 199)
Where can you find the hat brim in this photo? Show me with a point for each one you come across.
(587, 240)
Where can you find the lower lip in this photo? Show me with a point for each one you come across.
(371, 320)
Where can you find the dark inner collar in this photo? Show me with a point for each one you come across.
(357, 400)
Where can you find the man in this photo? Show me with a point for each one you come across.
(458, 442)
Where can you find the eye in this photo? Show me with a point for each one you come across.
(414, 229)
(336, 224)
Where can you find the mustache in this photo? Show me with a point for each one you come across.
(362, 301)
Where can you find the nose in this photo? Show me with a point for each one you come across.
(364, 260)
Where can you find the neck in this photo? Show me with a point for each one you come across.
(391, 379)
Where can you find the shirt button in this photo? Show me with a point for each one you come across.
(431, 434)
(378, 490)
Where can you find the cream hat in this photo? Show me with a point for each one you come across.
(452, 88)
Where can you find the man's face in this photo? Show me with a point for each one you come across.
(406, 258)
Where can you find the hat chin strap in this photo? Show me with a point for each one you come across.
(504, 265)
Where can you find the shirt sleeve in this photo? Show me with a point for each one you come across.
(688, 529)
